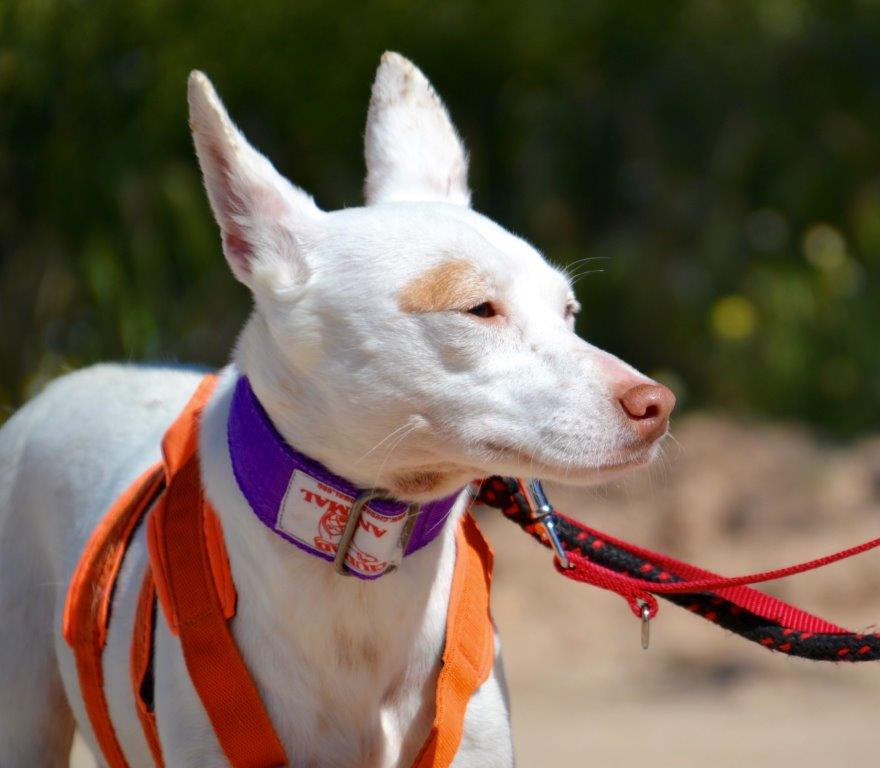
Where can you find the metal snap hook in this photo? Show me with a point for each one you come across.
(544, 513)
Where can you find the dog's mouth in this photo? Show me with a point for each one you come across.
(494, 455)
(531, 465)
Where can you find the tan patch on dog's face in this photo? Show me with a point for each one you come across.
(454, 284)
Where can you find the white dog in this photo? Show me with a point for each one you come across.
(412, 345)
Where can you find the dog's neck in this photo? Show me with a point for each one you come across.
(305, 503)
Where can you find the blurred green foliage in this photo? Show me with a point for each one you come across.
(719, 161)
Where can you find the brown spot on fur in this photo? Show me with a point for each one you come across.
(344, 648)
(351, 653)
(370, 655)
(454, 284)
(417, 482)
(323, 724)
(406, 85)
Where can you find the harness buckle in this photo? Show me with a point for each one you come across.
(543, 513)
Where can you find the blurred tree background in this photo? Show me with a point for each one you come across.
(720, 161)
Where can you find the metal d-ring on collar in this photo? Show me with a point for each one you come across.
(351, 525)
(546, 515)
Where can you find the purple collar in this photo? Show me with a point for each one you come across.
(302, 501)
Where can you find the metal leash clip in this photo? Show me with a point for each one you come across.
(544, 513)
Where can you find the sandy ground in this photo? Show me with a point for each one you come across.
(735, 498)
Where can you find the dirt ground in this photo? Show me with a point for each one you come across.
(734, 498)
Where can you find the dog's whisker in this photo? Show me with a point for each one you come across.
(676, 442)
(391, 449)
(580, 275)
(568, 268)
(387, 437)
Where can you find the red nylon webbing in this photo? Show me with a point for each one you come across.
(696, 579)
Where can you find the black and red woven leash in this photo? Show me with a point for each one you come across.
(638, 575)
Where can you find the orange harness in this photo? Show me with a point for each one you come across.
(189, 573)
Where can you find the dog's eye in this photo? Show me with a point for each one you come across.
(486, 309)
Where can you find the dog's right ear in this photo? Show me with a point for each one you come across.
(262, 216)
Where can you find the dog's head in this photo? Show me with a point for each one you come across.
(414, 344)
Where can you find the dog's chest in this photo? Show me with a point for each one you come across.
(347, 668)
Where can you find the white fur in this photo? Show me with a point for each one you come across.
(347, 669)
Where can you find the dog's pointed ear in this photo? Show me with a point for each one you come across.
(261, 215)
(412, 150)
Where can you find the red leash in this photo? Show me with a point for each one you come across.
(695, 579)
(637, 574)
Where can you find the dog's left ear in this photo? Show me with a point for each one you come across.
(413, 151)
(262, 216)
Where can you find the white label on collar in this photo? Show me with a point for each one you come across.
(315, 514)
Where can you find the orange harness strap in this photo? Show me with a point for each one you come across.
(470, 645)
(213, 661)
(87, 609)
(190, 575)
(185, 574)
(141, 657)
